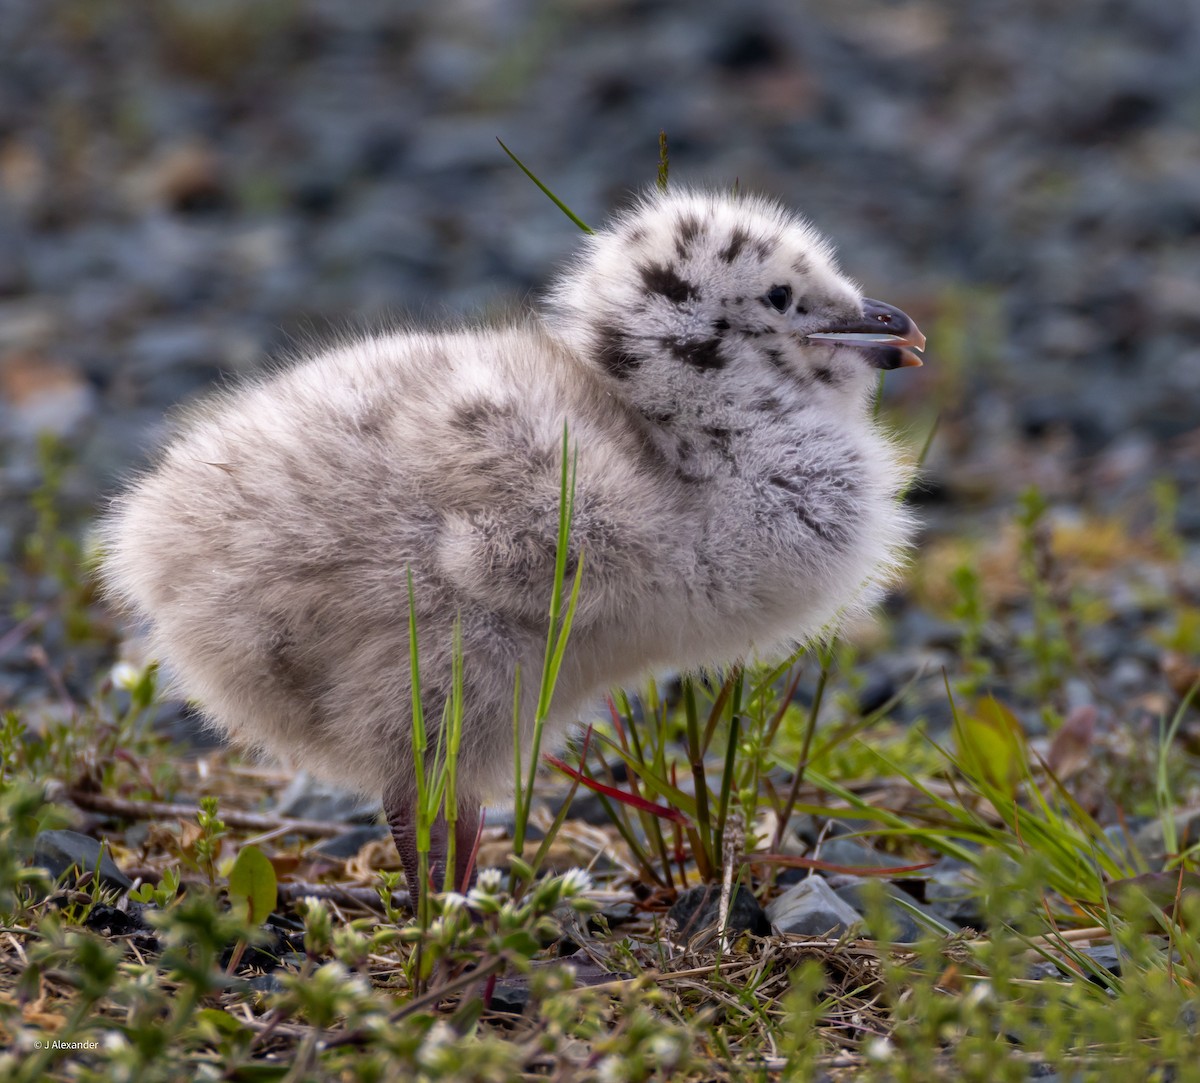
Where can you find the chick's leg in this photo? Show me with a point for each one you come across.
(402, 819)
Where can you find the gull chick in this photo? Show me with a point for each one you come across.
(734, 497)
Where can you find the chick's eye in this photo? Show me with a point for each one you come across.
(779, 297)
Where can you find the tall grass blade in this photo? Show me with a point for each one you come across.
(552, 197)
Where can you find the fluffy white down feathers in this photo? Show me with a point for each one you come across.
(733, 496)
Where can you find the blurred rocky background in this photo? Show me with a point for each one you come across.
(191, 187)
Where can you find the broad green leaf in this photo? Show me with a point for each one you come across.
(252, 884)
(992, 744)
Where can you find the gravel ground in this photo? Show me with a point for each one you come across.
(188, 189)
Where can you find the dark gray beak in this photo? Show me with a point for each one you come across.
(883, 334)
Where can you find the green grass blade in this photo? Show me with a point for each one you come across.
(552, 197)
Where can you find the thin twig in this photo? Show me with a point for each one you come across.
(167, 810)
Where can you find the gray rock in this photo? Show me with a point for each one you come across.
(952, 893)
(58, 851)
(852, 853)
(811, 908)
(306, 798)
(900, 908)
(697, 908)
(1148, 840)
(348, 843)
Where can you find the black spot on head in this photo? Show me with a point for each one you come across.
(613, 353)
(775, 357)
(824, 375)
(704, 355)
(763, 249)
(721, 325)
(769, 405)
(661, 279)
(737, 241)
(637, 234)
(689, 230)
(721, 441)
(660, 417)
(800, 265)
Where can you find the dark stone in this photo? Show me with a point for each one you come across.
(183, 724)
(850, 853)
(587, 806)
(810, 908)
(697, 907)
(307, 798)
(747, 49)
(109, 921)
(879, 689)
(348, 843)
(58, 851)
(509, 997)
(266, 983)
(899, 906)
(617, 914)
(952, 893)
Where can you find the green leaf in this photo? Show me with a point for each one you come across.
(992, 744)
(252, 884)
(217, 1023)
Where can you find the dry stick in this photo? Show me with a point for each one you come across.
(152, 810)
(735, 839)
(1095, 932)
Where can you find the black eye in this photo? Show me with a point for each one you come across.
(779, 297)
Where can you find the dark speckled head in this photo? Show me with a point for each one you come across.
(693, 295)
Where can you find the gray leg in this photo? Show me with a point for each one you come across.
(402, 820)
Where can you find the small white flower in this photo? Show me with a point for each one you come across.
(334, 972)
(611, 1070)
(489, 881)
(126, 676)
(666, 1049)
(438, 1040)
(977, 995)
(454, 901)
(879, 1049)
(575, 882)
